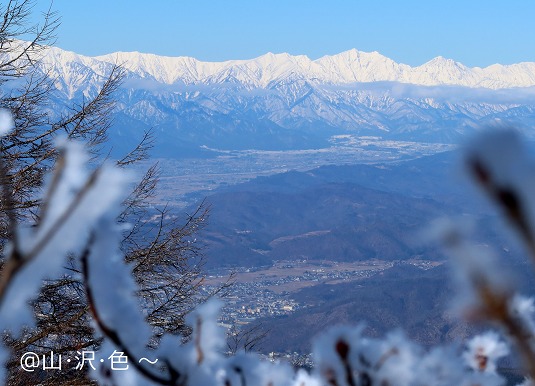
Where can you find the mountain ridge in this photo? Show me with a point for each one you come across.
(347, 67)
(283, 102)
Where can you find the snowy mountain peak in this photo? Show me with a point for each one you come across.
(441, 61)
(164, 69)
(270, 56)
(281, 101)
(346, 67)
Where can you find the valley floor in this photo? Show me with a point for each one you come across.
(268, 291)
(184, 181)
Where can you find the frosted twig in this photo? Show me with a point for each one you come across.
(113, 335)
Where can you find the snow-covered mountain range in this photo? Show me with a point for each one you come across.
(344, 68)
(284, 101)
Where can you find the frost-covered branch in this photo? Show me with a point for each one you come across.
(499, 163)
(113, 331)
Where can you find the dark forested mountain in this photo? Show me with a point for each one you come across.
(341, 213)
(402, 296)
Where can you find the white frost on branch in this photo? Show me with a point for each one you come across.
(113, 286)
(76, 203)
(483, 352)
(474, 266)
(6, 122)
(500, 163)
(524, 308)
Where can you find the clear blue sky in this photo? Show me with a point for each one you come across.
(476, 33)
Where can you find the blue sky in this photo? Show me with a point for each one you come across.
(476, 33)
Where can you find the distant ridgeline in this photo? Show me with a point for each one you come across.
(279, 101)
